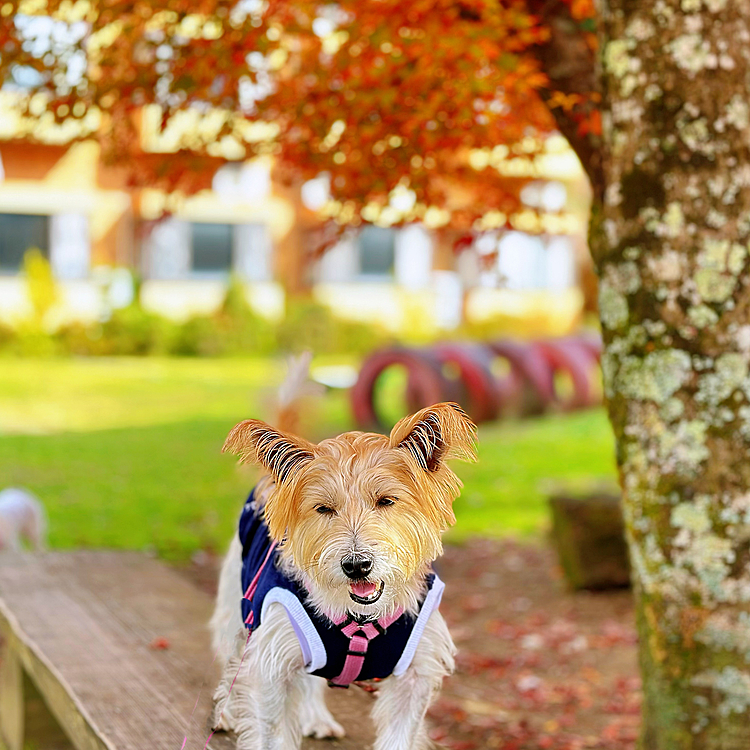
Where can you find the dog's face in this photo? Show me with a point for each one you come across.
(361, 515)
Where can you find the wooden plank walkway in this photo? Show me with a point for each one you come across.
(81, 625)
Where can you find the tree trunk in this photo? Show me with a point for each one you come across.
(672, 256)
(292, 261)
(569, 62)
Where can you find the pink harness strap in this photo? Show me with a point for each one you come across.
(359, 635)
(254, 583)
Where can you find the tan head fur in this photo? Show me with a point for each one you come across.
(362, 497)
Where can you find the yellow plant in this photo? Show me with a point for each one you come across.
(42, 288)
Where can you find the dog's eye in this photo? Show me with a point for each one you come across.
(326, 510)
(382, 502)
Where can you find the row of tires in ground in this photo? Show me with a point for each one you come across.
(490, 380)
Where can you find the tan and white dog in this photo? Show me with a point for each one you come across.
(358, 519)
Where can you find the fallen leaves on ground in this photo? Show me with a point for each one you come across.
(539, 667)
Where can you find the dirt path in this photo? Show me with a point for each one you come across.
(538, 668)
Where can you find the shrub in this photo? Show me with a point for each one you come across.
(235, 304)
(250, 334)
(135, 331)
(40, 282)
(234, 329)
(7, 335)
(196, 337)
(30, 340)
(80, 339)
(129, 331)
(311, 325)
(240, 328)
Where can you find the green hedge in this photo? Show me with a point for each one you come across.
(234, 329)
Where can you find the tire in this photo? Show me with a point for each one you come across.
(571, 358)
(474, 363)
(537, 392)
(426, 384)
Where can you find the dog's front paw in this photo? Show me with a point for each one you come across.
(222, 721)
(322, 728)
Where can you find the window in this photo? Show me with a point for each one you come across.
(521, 261)
(561, 264)
(19, 233)
(212, 247)
(376, 251)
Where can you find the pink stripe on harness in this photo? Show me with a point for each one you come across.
(254, 583)
(359, 635)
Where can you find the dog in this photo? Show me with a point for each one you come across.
(330, 579)
(22, 518)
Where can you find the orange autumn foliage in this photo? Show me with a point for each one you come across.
(375, 93)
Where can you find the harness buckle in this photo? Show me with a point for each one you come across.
(332, 684)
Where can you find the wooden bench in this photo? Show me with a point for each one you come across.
(117, 647)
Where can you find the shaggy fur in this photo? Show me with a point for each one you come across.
(359, 494)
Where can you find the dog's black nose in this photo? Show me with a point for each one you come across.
(356, 568)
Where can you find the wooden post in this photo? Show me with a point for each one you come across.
(291, 262)
(444, 258)
(11, 699)
(292, 257)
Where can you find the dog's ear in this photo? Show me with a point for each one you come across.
(435, 434)
(281, 454)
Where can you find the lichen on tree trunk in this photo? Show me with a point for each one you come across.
(672, 257)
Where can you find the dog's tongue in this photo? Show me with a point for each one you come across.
(363, 589)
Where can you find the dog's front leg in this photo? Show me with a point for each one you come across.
(315, 718)
(402, 702)
(399, 712)
(274, 686)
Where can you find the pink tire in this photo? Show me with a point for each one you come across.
(426, 384)
(536, 392)
(570, 358)
(474, 364)
(590, 341)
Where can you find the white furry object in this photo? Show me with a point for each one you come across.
(297, 382)
(22, 518)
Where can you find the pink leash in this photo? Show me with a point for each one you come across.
(198, 697)
(229, 694)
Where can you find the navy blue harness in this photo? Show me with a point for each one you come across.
(342, 651)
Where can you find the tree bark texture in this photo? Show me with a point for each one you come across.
(671, 248)
(570, 65)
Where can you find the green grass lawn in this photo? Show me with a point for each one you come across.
(126, 452)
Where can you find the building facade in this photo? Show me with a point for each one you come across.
(81, 216)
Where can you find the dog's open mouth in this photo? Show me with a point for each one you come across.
(364, 592)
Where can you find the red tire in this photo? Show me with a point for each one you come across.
(426, 384)
(564, 356)
(590, 341)
(474, 364)
(591, 346)
(537, 392)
